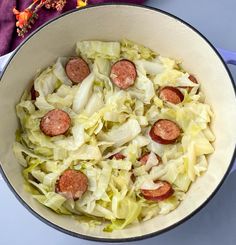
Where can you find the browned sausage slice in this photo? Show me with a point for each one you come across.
(117, 156)
(159, 194)
(165, 131)
(34, 93)
(72, 184)
(55, 122)
(171, 94)
(144, 158)
(193, 79)
(77, 70)
(123, 74)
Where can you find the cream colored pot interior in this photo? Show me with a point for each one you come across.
(164, 34)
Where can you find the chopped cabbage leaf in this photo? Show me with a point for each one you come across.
(59, 70)
(122, 134)
(132, 210)
(83, 94)
(133, 51)
(94, 49)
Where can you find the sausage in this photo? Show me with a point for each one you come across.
(159, 194)
(34, 93)
(165, 131)
(171, 94)
(123, 73)
(77, 70)
(55, 122)
(117, 156)
(72, 184)
(133, 178)
(144, 158)
(193, 79)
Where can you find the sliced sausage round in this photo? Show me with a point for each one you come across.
(117, 156)
(171, 94)
(193, 79)
(77, 70)
(133, 178)
(144, 158)
(72, 184)
(123, 74)
(55, 122)
(163, 192)
(34, 93)
(165, 131)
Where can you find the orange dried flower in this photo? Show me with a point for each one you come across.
(27, 17)
(22, 17)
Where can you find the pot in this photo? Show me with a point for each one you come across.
(158, 30)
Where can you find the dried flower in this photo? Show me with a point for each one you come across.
(26, 18)
(22, 17)
(81, 3)
(55, 4)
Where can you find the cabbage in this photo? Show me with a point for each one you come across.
(23, 111)
(182, 182)
(148, 67)
(102, 70)
(95, 103)
(85, 152)
(149, 210)
(45, 84)
(20, 151)
(122, 134)
(167, 78)
(133, 51)
(201, 165)
(132, 210)
(103, 180)
(150, 185)
(52, 200)
(73, 142)
(94, 49)
(185, 81)
(59, 71)
(168, 205)
(63, 97)
(151, 162)
(191, 161)
(202, 145)
(143, 89)
(83, 94)
(120, 164)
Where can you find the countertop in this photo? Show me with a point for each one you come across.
(215, 223)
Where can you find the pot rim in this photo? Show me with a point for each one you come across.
(149, 235)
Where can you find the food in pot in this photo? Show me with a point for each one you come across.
(112, 134)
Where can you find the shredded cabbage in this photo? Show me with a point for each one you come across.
(106, 121)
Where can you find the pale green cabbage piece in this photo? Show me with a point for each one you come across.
(106, 120)
(149, 67)
(132, 210)
(94, 49)
(134, 51)
(83, 94)
(52, 200)
(143, 89)
(95, 103)
(122, 134)
(59, 70)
